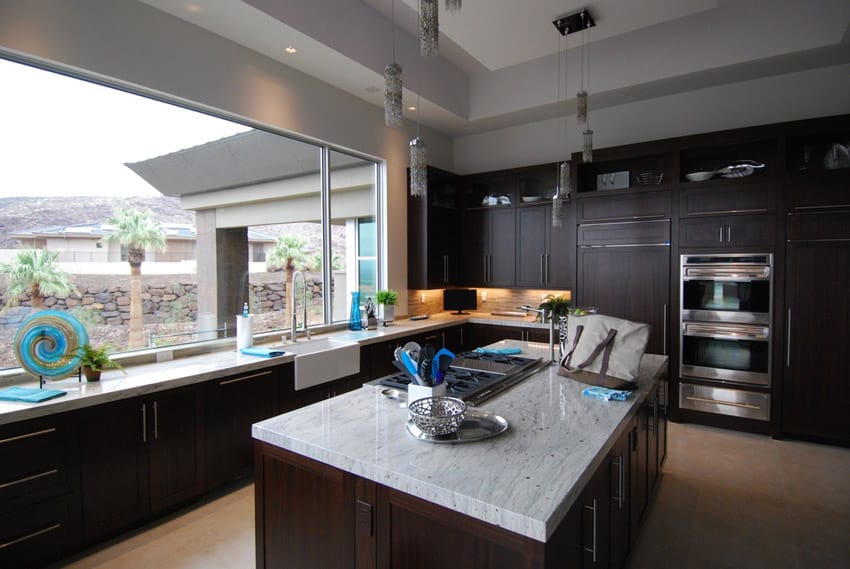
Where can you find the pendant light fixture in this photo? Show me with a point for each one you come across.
(393, 90)
(418, 149)
(582, 113)
(562, 187)
(429, 27)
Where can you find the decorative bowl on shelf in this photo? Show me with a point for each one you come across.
(740, 168)
(699, 176)
(531, 199)
(650, 178)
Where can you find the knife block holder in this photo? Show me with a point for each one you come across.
(415, 392)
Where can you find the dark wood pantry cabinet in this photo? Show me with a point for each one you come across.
(433, 229)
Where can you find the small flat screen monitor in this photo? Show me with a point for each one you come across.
(460, 300)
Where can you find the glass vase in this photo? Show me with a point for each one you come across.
(354, 322)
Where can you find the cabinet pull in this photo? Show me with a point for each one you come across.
(461, 337)
(485, 268)
(28, 478)
(30, 536)
(155, 422)
(788, 340)
(664, 338)
(619, 497)
(542, 275)
(244, 377)
(593, 549)
(719, 402)
(445, 268)
(28, 435)
(721, 233)
(728, 233)
(548, 266)
(144, 425)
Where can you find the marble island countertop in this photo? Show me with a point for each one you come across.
(151, 377)
(524, 480)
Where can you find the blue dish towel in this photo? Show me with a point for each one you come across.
(29, 394)
(499, 351)
(262, 352)
(607, 394)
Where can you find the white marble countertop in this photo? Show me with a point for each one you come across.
(524, 480)
(152, 377)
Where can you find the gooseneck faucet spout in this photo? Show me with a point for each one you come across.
(294, 324)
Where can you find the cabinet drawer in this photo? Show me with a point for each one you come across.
(40, 533)
(626, 233)
(733, 402)
(38, 459)
(733, 198)
(824, 226)
(817, 195)
(641, 205)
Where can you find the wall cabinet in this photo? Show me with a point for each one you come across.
(140, 456)
(545, 254)
(636, 205)
(433, 229)
(490, 247)
(734, 196)
(728, 231)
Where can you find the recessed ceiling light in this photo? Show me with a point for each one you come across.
(193, 8)
(290, 50)
(411, 108)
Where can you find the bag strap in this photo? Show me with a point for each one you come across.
(565, 361)
(606, 346)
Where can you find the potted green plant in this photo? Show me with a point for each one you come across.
(387, 300)
(93, 360)
(556, 305)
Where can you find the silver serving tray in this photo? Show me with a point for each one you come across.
(477, 426)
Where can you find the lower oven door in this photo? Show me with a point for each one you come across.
(736, 353)
(725, 401)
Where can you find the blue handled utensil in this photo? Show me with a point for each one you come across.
(441, 363)
(411, 367)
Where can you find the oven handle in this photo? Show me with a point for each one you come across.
(741, 274)
(725, 335)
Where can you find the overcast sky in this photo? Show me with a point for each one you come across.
(64, 137)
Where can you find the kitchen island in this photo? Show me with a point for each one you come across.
(341, 484)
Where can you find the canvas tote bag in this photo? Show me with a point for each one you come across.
(604, 350)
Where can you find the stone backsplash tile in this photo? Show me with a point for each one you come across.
(489, 299)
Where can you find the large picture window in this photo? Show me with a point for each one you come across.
(115, 189)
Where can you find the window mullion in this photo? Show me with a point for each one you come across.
(327, 259)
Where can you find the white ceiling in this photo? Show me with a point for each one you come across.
(498, 58)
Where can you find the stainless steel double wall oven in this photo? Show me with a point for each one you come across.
(725, 347)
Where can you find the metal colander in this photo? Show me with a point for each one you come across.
(437, 415)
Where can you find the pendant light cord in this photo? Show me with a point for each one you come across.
(392, 12)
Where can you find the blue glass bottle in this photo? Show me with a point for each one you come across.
(354, 320)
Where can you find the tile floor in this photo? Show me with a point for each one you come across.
(727, 500)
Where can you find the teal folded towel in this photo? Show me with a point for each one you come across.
(606, 394)
(29, 394)
(262, 352)
(499, 351)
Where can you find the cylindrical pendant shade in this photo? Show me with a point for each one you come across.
(587, 147)
(581, 109)
(418, 168)
(392, 95)
(564, 180)
(429, 28)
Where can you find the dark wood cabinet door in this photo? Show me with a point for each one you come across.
(650, 408)
(619, 460)
(702, 232)
(596, 519)
(637, 479)
(475, 246)
(728, 198)
(816, 385)
(631, 283)
(40, 533)
(432, 230)
(173, 448)
(532, 237)
(231, 406)
(113, 461)
(443, 250)
(625, 233)
(632, 206)
(502, 250)
(562, 250)
(750, 230)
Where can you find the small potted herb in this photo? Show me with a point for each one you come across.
(93, 360)
(556, 305)
(387, 300)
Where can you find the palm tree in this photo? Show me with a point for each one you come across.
(35, 271)
(287, 252)
(137, 231)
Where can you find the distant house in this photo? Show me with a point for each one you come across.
(83, 243)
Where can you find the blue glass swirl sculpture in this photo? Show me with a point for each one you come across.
(48, 343)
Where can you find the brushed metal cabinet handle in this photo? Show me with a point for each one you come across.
(664, 328)
(593, 549)
(721, 233)
(144, 425)
(485, 268)
(542, 277)
(29, 478)
(155, 422)
(719, 402)
(244, 378)
(30, 536)
(788, 340)
(28, 435)
(728, 233)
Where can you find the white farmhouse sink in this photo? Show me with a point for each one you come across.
(323, 360)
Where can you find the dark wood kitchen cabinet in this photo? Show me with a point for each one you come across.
(620, 473)
(697, 199)
(728, 231)
(138, 457)
(545, 255)
(619, 206)
(231, 405)
(816, 383)
(631, 282)
(489, 247)
(433, 221)
(39, 491)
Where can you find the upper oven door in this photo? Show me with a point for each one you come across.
(736, 353)
(726, 288)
